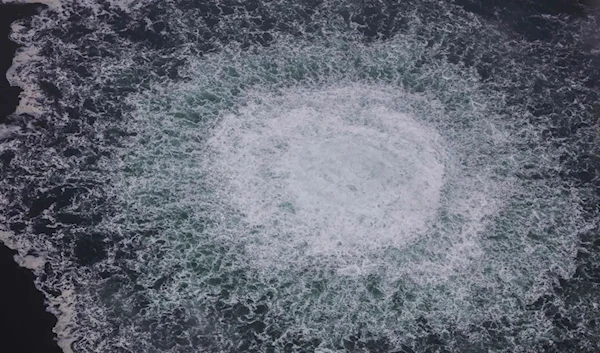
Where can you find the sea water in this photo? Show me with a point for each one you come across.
(339, 176)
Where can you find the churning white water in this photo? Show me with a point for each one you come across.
(330, 173)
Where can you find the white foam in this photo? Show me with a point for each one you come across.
(55, 5)
(4, 237)
(7, 132)
(327, 173)
(20, 74)
(64, 308)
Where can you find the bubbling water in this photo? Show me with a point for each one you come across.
(327, 173)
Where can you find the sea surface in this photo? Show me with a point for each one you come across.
(308, 175)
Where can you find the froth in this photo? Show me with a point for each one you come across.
(332, 172)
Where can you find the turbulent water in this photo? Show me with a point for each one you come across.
(309, 176)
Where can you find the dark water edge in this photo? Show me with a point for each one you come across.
(25, 325)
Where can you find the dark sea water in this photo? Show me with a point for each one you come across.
(308, 176)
